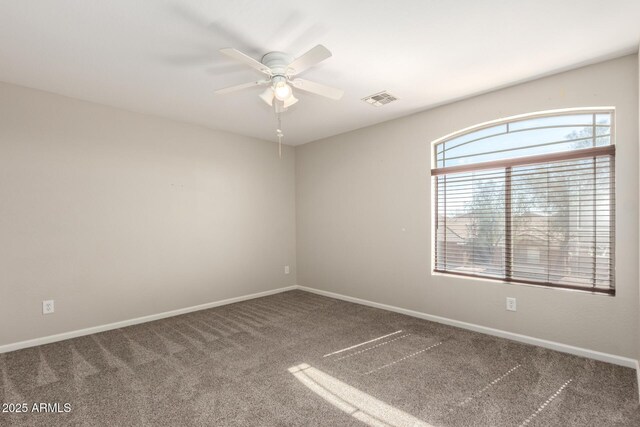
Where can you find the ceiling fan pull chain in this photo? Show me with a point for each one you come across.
(280, 135)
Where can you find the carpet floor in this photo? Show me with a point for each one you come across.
(301, 359)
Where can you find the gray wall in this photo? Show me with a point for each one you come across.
(117, 215)
(364, 216)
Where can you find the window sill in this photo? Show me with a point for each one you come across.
(568, 288)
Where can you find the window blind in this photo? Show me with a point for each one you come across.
(544, 219)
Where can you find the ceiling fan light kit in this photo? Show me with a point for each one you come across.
(282, 91)
(281, 68)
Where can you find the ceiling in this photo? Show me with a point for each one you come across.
(161, 57)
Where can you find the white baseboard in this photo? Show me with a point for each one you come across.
(101, 328)
(578, 351)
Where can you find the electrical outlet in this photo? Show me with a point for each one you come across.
(47, 306)
(286, 269)
(511, 304)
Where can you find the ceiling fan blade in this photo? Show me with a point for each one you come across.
(318, 89)
(240, 87)
(239, 56)
(309, 59)
(267, 96)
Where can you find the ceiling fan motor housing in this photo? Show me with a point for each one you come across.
(278, 62)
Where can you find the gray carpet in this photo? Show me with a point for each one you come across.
(286, 360)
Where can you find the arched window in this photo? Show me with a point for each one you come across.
(529, 199)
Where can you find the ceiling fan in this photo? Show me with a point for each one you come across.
(280, 70)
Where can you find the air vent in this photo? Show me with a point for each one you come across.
(379, 99)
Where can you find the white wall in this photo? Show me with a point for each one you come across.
(364, 216)
(117, 215)
(638, 355)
